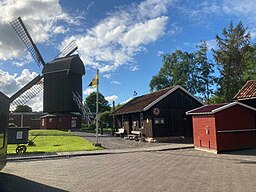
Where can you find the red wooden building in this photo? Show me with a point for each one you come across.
(61, 121)
(26, 119)
(224, 127)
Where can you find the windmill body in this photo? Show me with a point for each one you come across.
(62, 78)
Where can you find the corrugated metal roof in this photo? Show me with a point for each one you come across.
(71, 63)
(211, 109)
(247, 91)
(207, 109)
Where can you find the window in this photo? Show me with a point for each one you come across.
(50, 120)
(141, 120)
(42, 122)
(159, 120)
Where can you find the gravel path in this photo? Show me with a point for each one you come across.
(111, 142)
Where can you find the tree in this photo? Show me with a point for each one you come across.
(231, 57)
(106, 118)
(177, 69)
(204, 71)
(91, 103)
(250, 70)
(23, 108)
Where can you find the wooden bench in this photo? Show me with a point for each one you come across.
(120, 132)
(134, 135)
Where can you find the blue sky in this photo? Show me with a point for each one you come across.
(122, 38)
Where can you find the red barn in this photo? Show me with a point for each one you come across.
(223, 127)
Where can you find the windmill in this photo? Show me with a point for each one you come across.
(60, 78)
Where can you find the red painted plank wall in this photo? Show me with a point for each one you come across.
(235, 118)
(204, 131)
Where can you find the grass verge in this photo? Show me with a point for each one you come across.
(47, 141)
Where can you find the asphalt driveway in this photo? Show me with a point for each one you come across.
(177, 170)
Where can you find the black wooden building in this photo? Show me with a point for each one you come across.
(62, 77)
(159, 115)
(4, 113)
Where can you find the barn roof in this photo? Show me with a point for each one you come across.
(248, 91)
(145, 102)
(71, 63)
(211, 109)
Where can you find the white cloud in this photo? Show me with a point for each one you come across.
(11, 83)
(108, 76)
(89, 90)
(211, 44)
(40, 18)
(115, 82)
(115, 40)
(111, 98)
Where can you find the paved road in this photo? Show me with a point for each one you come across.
(178, 170)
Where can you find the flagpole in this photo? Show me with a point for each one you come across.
(97, 109)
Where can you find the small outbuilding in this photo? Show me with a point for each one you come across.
(159, 115)
(61, 121)
(224, 127)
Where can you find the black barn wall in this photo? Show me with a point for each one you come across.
(173, 109)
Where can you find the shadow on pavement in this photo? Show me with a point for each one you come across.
(12, 183)
(247, 152)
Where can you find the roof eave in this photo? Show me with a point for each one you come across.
(168, 93)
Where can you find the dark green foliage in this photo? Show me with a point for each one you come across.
(106, 119)
(204, 72)
(177, 69)
(250, 70)
(23, 108)
(232, 58)
(91, 103)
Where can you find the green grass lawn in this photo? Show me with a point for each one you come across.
(55, 141)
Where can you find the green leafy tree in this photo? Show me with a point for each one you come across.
(23, 108)
(178, 69)
(204, 72)
(103, 103)
(106, 118)
(232, 58)
(250, 70)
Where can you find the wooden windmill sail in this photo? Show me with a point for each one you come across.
(59, 78)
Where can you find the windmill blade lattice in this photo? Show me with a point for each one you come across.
(83, 108)
(21, 30)
(68, 50)
(27, 94)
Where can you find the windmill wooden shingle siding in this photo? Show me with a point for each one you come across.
(62, 77)
(159, 115)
